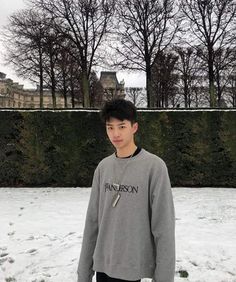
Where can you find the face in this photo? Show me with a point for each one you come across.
(121, 133)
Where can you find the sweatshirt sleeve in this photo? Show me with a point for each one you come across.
(85, 267)
(163, 224)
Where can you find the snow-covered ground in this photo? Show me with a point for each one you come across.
(41, 233)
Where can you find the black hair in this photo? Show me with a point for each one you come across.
(120, 109)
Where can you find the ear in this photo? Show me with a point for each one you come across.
(135, 127)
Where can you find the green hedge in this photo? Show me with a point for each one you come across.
(62, 148)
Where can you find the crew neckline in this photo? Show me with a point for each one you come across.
(137, 151)
(127, 159)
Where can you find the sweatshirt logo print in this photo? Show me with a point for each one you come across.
(122, 188)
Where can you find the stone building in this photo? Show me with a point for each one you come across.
(12, 95)
(112, 88)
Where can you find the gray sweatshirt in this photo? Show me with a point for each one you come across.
(136, 238)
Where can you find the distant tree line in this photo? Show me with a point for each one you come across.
(186, 48)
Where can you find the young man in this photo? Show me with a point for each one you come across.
(130, 223)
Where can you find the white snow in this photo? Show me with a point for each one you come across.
(41, 233)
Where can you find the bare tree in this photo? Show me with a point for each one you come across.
(85, 23)
(52, 49)
(74, 83)
(210, 24)
(68, 71)
(188, 69)
(145, 28)
(24, 42)
(164, 79)
(224, 64)
(137, 95)
(63, 65)
(231, 97)
(96, 91)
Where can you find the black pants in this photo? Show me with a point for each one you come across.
(103, 277)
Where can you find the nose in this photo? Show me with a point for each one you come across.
(116, 133)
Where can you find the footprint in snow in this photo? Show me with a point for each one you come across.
(10, 279)
(2, 260)
(4, 255)
(70, 233)
(31, 251)
(46, 274)
(11, 233)
(193, 263)
(11, 260)
(51, 237)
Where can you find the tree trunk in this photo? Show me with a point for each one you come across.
(212, 94)
(149, 83)
(234, 99)
(219, 89)
(41, 88)
(189, 99)
(72, 91)
(41, 78)
(64, 90)
(186, 96)
(54, 103)
(53, 83)
(85, 89)
(166, 100)
(72, 94)
(196, 100)
(211, 79)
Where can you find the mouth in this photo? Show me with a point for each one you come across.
(117, 141)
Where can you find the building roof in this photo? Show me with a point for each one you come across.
(2, 75)
(108, 79)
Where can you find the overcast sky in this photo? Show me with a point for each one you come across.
(7, 7)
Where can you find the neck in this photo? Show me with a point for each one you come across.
(125, 152)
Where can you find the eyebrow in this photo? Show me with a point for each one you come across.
(122, 123)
